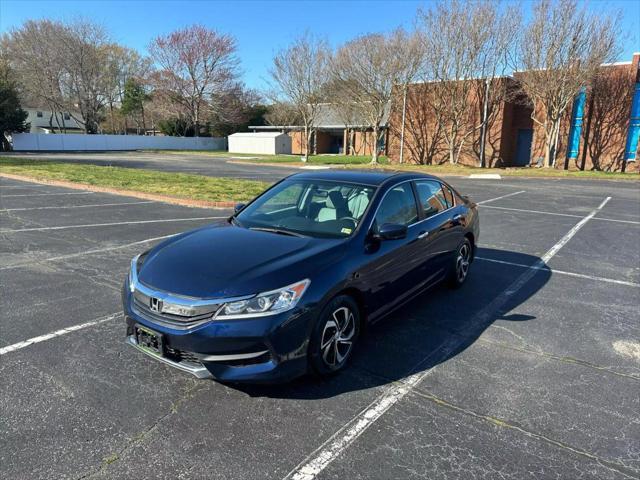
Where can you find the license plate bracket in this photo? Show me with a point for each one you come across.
(149, 340)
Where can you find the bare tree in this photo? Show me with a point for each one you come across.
(282, 114)
(423, 127)
(85, 80)
(494, 30)
(198, 66)
(463, 54)
(561, 50)
(35, 54)
(299, 74)
(607, 121)
(123, 64)
(370, 68)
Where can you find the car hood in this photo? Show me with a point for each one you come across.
(221, 261)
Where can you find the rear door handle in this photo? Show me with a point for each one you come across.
(423, 235)
(457, 218)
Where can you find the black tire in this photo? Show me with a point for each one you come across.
(460, 264)
(328, 355)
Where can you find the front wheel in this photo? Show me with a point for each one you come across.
(461, 264)
(334, 336)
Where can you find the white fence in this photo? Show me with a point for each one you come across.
(54, 142)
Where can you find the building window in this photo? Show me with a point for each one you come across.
(39, 114)
(67, 116)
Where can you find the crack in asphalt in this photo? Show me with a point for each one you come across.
(621, 468)
(559, 358)
(187, 394)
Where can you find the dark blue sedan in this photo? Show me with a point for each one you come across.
(287, 284)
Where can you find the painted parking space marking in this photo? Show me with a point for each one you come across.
(320, 458)
(45, 194)
(91, 225)
(57, 333)
(86, 252)
(25, 209)
(501, 197)
(572, 215)
(562, 272)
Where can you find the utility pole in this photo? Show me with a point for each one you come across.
(404, 113)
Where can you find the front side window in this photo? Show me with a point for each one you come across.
(398, 206)
(431, 197)
(315, 208)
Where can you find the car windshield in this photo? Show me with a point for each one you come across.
(315, 208)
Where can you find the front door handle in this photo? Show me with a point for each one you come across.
(423, 235)
(457, 218)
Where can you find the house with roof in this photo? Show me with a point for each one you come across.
(43, 120)
(334, 132)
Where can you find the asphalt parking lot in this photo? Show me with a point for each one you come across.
(531, 370)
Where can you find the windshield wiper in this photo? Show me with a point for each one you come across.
(277, 230)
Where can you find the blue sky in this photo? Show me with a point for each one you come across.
(261, 27)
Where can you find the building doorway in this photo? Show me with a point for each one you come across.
(523, 147)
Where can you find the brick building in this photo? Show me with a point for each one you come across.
(513, 138)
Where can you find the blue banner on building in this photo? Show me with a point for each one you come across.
(577, 117)
(631, 147)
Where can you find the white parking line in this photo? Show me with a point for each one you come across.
(318, 460)
(87, 252)
(500, 198)
(57, 333)
(45, 194)
(74, 206)
(40, 229)
(558, 214)
(562, 272)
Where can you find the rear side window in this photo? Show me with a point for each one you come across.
(431, 197)
(398, 206)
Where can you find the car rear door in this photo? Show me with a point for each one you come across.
(439, 240)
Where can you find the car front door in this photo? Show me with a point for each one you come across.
(392, 266)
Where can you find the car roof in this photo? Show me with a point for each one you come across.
(365, 177)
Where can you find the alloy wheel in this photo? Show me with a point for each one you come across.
(462, 262)
(337, 337)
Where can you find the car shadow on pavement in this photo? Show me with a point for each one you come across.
(430, 330)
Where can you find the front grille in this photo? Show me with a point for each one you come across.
(141, 306)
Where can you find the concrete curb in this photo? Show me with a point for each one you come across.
(129, 193)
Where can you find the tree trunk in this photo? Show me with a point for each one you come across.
(374, 151)
(307, 141)
(587, 131)
(144, 125)
(113, 123)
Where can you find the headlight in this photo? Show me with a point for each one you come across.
(133, 273)
(267, 303)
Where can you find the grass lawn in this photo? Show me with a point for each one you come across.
(179, 185)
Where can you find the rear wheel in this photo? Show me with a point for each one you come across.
(334, 336)
(461, 264)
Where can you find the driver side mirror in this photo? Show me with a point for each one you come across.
(238, 207)
(391, 231)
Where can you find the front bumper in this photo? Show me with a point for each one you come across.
(264, 349)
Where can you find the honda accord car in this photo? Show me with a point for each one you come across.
(288, 283)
